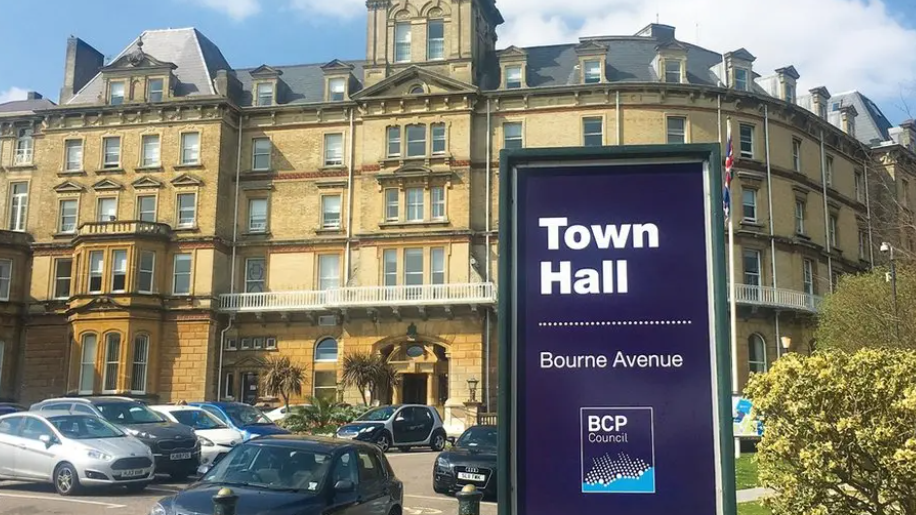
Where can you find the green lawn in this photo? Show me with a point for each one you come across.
(746, 471)
(752, 508)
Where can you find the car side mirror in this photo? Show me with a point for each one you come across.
(47, 440)
(344, 486)
(451, 440)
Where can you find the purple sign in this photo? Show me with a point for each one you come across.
(613, 340)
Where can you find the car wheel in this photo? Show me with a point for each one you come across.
(439, 489)
(136, 488)
(404, 448)
(66, 479)
(179, 476)
(438, 441)
(383, 441)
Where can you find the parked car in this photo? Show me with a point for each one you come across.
(296, 475)
(278, 414)
(216, 438)
(403, 426)
(72, 451)
(9, 407)
(175, 447)
(470, 461)
(249, 420)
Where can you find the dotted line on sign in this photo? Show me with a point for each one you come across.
(609, 323)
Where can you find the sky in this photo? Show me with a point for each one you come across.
(841, 44)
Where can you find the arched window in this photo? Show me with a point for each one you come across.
(417, 90)
(757, 354)
(87, 363)
(112, 362)
(141, 363)
(326, 350)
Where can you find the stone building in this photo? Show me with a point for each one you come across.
(184, 221)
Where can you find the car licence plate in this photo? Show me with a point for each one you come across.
(181, 456)
(133, 473)
(472, 477)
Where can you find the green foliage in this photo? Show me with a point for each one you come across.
(752, 508)
(861, 312)
(840, 433)
(368, 371)
(322, 416)
(746, 472)
(283, 378)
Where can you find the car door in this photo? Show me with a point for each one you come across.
(34, 458)
(374, 492)
(401, 425)
(345, 503)
(9, 445)
(413, 425)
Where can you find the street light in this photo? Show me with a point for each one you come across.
(786, 343)
(887, 248)
(472, 388)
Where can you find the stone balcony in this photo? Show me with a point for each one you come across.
(120, 229)
(15, 239)
(776, 298)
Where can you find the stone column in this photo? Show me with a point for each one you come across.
(432, 389)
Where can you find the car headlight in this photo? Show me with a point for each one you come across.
(206, 442)
(158, 509)
(367, 429)
(99, 455)
(140, 434)
(442, 463)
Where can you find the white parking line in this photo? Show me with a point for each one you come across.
(61, 499)
(431, 498)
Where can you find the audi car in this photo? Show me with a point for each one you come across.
(470, 461)
(401, 426)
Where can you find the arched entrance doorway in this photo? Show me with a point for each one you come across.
(422, 370)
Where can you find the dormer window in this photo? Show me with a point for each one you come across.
(789, 92)
(115, 93)
(435, 40)
(337, 89)
(402, 42)
(741, 81)
(592, 71)
(154, 89)
(513, 77)
(264, 94)
(673, 72)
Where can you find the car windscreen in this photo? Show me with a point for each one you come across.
(197, 419)
(479, 438)
(84, 427)
(244, 415)
(377, 414)
(272, 468)
(128, 413)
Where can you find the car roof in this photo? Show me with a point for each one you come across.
(218, 404)
(173, 407)
(88, 400)
(319, 443)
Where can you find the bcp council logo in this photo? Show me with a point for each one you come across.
(618, 451)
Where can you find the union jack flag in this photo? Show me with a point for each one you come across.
(729, 162)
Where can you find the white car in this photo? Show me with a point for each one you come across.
(216, 438)
(281, 412)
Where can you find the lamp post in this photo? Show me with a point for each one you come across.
(887, 248)
(786, 344)
(472, 388)
(340, 392)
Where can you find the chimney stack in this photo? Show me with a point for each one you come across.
(33, 95)
(82, 64)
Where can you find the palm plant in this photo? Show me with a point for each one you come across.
(369, 373)
(283, 378)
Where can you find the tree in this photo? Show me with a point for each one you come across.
(861, 312)
(283, 378)
(839, 437)
(368, 372)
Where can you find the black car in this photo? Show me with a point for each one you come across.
(403, 426)
(8, 407)
(296, 475)
(175, 447)
(470, 461)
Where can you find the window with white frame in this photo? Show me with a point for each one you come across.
(828, 170)
(677, 129)
(187, 210)
(390, 267)
(19, 203)
(154, 90)
(592, 71)
(799, 216)
(860, 186)
(796, 154)
(96, 267)
(67, 215)
(73, 155)
(264, 94)
(63, 277)
(116, 93)
(146, 208)
(437, 202)
(107, 209)
(747, 140)
(749, 204)
(257, 215)
(512, 135)
(88, 354)
(392, 201)
(149, 153)
(326, 351)
(337, 89)
(333, 149)
(437, 265)
(413, 267)
(435, 40)
(330, 212)
(119, 271)
(328, 271)
(438, 134)
(832, 224)
(808, 276)
(111, 152)
(6, 277)
(416, 140)
(394, 142)
(24, 147)
(112, 362)
(140, 365)
(402, 42)
(146, 271)
(255, 275)
(513, 77)
(190, 148)
(260, 154)
(673, 71)
(181, 275)
(752, 267)
(756, 354)
(415, 207)
(325, 385)
(593, 131)
(741, 79)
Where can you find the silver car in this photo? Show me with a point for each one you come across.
(72, 451)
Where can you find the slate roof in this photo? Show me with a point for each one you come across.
(872, 127)
(196, 57)
(25, 106)
(300, 84)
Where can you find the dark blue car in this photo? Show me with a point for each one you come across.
(7, 407)
(247, 419)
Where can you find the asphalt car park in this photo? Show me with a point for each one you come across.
(412, 468)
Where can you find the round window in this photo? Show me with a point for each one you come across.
(415, 351)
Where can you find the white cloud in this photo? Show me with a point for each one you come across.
(330, 8)
(12, 94)
(238, 10)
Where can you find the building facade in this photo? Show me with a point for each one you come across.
(175, 222)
